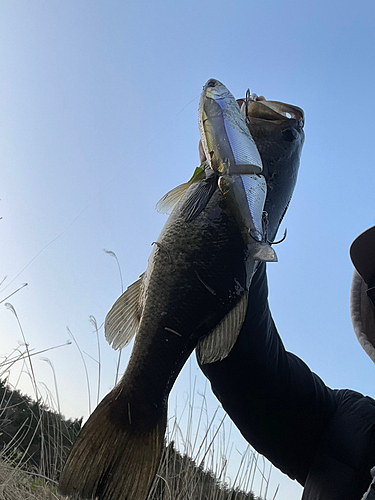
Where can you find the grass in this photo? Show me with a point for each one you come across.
(31, 459)
(17, 484)
(36, 439)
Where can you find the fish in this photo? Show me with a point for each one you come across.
(192, 295)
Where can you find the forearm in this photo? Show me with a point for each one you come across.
(278, 404)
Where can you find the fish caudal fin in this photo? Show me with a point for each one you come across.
(115, 456)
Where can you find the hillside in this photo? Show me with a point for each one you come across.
(35, 441)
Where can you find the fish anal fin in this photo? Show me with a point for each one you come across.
(122, 321)
(114, 457)
(219, 342)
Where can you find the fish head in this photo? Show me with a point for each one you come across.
(277, 129)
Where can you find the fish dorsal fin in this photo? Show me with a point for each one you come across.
(198, 198)
(219, 342)
(122, 321)
(166, 204)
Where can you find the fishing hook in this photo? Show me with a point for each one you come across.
(249, 98)
(279, 241)
(265, 223)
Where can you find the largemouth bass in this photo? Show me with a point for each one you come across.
(195, 288)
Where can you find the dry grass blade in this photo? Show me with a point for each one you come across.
(11, 308)
(205, 476)
(11, 361)
(55, 382)
(95, 324)
(10, 295)
(112, 254)
(201, 436)
(85, 367)
(19, 485)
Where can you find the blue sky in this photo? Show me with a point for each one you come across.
(98, 107)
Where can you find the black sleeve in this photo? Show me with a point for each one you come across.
(278, 404)
(324, 438)
(346, 451)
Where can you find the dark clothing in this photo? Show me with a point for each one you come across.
(324, 438)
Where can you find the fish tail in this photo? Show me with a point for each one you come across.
(116, 455)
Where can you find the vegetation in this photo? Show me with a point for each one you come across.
(179, 477)
(33, 436)
(35, 441)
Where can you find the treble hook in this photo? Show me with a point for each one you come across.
(280, 241)
(249, 98)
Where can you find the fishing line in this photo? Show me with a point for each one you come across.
(98, 193)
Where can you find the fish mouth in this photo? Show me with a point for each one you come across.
(258, 108)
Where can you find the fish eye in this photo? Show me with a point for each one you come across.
(290, 134)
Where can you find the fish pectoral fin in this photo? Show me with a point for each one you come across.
(198, 198)
(166, 204)
(219, 342)
(122, 321)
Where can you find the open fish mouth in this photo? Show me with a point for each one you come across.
(272, 111)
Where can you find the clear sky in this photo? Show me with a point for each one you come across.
(98, 119)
